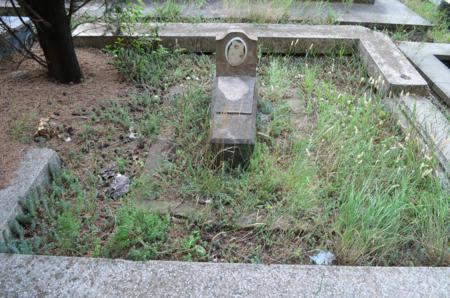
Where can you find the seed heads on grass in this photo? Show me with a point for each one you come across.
(278, 79)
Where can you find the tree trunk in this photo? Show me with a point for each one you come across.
(55, 37)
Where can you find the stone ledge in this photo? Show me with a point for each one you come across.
(430, 123)
(381, 13)
(33, 176)
(373, 13)
(425, 56)
(38, 276)
(383, 60)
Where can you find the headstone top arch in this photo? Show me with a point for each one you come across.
(236, 54)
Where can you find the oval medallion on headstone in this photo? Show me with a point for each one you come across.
(236, 51)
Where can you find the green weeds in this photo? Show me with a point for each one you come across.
(169, 11)
(331, 169)
(441, 23)
(138, 235)
(23, 127)
(56, 221)
(278, 80)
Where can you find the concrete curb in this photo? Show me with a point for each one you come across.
(425, 56)
(33, 177)
(430, 123)
(38, 276)
(379, 13)
(383, 60)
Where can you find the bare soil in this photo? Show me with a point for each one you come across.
(27, 94)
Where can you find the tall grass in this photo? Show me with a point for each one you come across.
(338, 173)
(441, 22)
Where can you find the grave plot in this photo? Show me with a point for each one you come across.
(330, 171)
(380, 13)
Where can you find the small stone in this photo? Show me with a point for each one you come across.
(283, 223)
(109, 171)
(174, 208)
(250, 221)
(119, 186)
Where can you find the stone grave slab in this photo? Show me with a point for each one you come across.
(431, 59)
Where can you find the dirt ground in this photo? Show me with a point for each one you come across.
(27, 94)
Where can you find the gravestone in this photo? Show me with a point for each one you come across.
(233, 114)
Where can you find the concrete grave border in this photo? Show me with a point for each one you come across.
(379, 13)
(425, 56)
(383, 60)
(371, 13)
(33, 177)
(423, 115)
(47, 276)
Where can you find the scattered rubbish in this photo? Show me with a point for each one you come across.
(204, 201)
(65, 132)
(322, 257)
(132, 135)
(119, 186)
(45, 129)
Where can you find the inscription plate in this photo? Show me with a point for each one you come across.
(234, 95)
